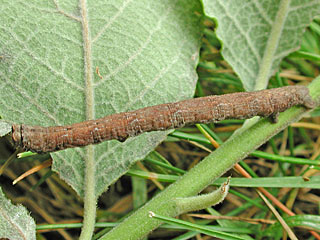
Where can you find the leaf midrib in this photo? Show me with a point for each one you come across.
(87, 61)
(90, 181)
(272, 45)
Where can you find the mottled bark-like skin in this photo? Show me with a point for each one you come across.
(120, 126)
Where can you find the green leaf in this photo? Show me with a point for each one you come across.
(274, 182)
(257, 35)
(145, 52)
(196, 227)
(15, 221)
(5, 128)
(309, 221)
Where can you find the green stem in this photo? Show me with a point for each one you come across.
(90, 199)
(199, 202)
(209, 169)
(292, 160)
(272, 45)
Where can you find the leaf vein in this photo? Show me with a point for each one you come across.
(137, 53)
(114, 18)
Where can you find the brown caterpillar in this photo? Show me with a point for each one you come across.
(161, 117)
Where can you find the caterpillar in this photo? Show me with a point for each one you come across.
(120, 126)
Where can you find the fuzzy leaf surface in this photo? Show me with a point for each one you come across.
(68, 61)
(5, 128)
(257, 35)
(15, 221)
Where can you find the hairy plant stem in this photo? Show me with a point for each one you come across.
(272, 45)
(90, 200)
(213, 166)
